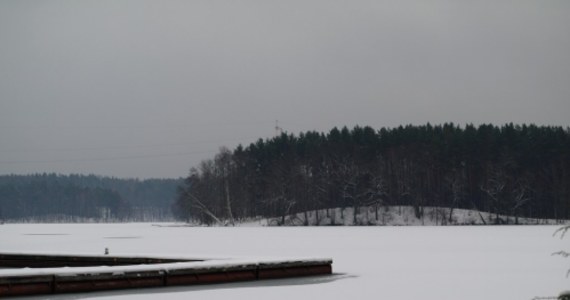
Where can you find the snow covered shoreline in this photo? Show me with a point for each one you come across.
(397, 216)
(364, 216)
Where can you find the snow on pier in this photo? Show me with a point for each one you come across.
(51, 274)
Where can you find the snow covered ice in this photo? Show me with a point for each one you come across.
(467, 262)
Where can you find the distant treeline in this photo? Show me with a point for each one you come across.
(519, 170)
(79, 198)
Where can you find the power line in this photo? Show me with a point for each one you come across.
(154, 125)
(106, 158)
(127, 146)
(115, 158)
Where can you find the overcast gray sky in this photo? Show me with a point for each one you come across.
(149, 88)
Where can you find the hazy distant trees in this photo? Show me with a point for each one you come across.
(53, 198)
(515, 170)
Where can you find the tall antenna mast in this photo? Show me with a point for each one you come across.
(278, 130)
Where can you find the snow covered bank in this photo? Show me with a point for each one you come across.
(398, 216)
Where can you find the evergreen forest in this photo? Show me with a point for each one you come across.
(516, 170)
(84, 198)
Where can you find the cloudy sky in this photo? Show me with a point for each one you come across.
(141, 88)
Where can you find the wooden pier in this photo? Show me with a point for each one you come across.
(52, 274)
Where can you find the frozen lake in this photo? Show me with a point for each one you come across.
(507, 262)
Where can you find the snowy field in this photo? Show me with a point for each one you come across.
(468, 262)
